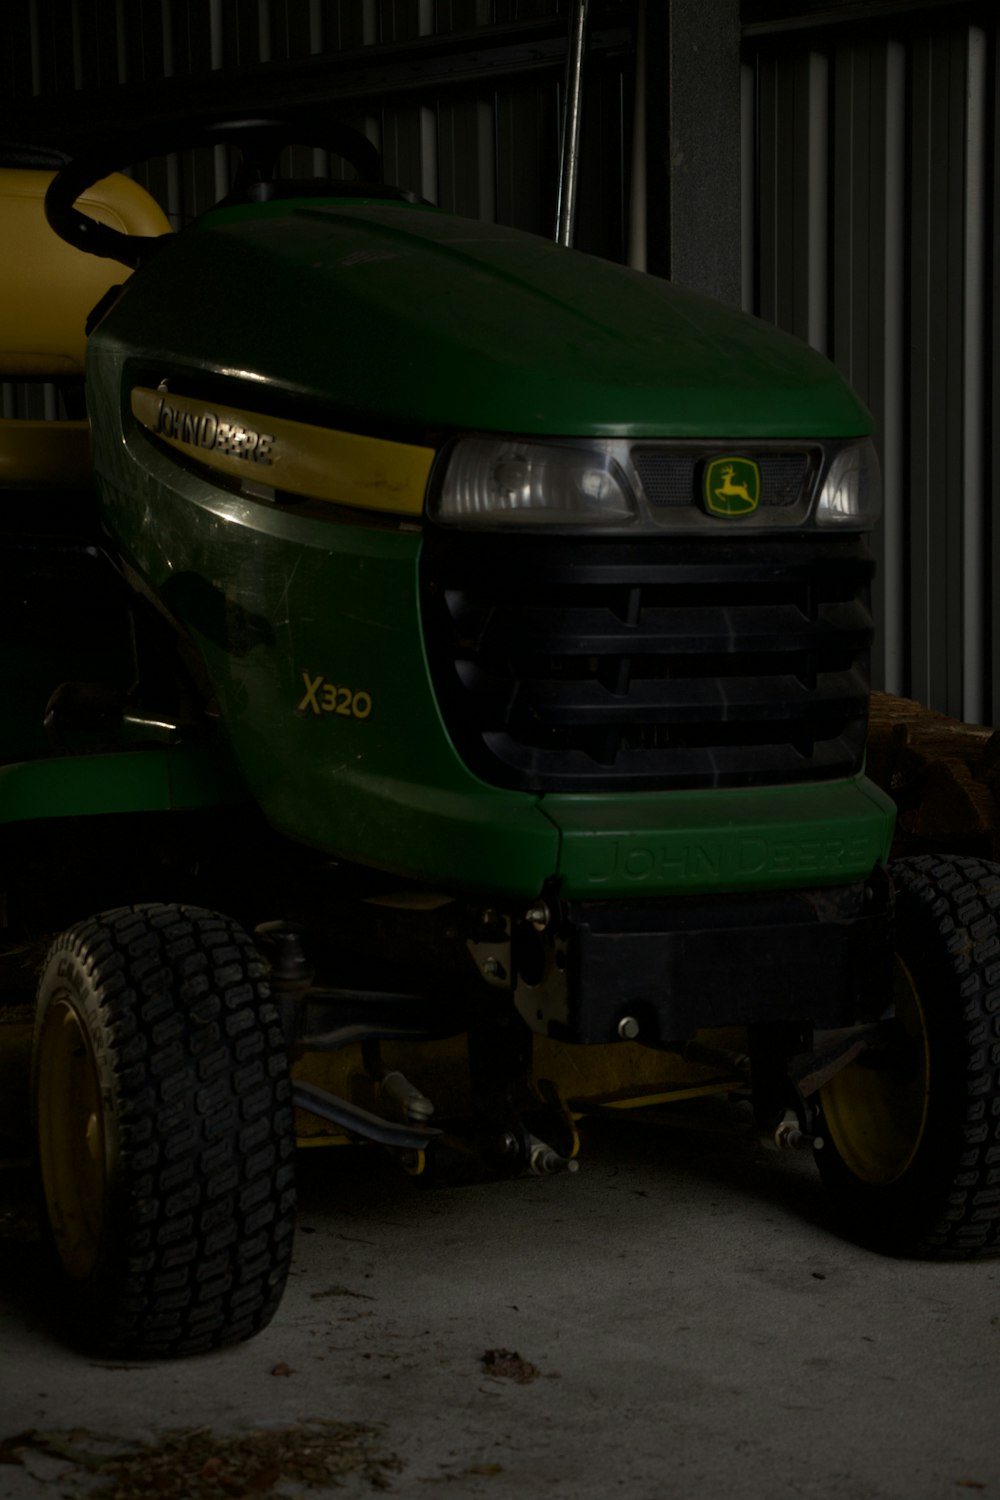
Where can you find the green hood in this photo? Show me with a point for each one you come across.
(402, 317)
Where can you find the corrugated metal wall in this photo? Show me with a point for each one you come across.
(485, 146)
(872, 174)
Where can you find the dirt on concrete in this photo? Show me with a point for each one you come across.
(690, 1322)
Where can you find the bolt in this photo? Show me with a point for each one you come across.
(628, 1028)
(544, 1160)
(493, 968)
(539, 916)
(788, 1137)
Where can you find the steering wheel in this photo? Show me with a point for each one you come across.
(259, 140)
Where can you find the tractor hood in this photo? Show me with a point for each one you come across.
(399, 317)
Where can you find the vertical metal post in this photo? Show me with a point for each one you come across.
(120, 38)
(220, 158)
(572, 107)
(264, 30)
(818, 232)
(894, 341)
(748, 186)
(975, 481)
(693, 153)
(637, 188)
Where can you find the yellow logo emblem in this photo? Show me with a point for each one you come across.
(732, 487)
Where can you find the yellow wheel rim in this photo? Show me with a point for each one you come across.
(71, 1138)
(876, 1116)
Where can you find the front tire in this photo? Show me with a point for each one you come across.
(165, 1131)
(911, 1133)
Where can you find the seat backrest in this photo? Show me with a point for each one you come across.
(47, 288)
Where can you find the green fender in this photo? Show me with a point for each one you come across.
(154, 779)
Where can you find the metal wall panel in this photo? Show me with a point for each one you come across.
(871, 225)
(486, 147)
(56, 45)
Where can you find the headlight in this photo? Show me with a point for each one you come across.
(852, 491)
(503, 481)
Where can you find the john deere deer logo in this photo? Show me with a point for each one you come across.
(732, 487)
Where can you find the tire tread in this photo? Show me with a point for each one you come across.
(195, 1049)
(962, 896)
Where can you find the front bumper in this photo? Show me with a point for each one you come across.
(657, 972)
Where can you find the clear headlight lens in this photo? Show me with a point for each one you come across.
(852, 491)
(503, 481)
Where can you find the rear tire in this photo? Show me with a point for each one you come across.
(912, 1138)
(165, 1131)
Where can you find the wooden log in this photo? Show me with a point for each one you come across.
(943, 774)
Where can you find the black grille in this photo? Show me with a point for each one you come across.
(671, 477)
(579, 664)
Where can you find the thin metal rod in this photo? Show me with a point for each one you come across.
(637, 189)
(572, 108)
(974, 479)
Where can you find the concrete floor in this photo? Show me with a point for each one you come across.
(694, 1327)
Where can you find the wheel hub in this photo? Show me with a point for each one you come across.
(875, 1110)
(71, 1137)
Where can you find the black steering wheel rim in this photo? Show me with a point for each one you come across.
(258, 138)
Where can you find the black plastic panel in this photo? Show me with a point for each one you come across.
(584, 664)
(822, 957)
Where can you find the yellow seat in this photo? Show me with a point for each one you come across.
(47, 290)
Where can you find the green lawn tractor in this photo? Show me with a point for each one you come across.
(444, 718)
